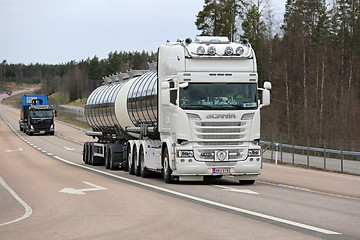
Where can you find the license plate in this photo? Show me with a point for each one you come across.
(221, 170)
(42, 132)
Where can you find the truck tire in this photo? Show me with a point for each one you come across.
(129, 162)
(107, 159)
(166, 166)
(84, 153)
(143, 170)
(132, 167)
(136, 166)
(21, 128)
(88, 153)
(91, 154)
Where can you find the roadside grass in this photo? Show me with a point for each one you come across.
(72, 121)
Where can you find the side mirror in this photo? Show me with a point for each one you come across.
(267, 85)
(265, 98)
(55, 113)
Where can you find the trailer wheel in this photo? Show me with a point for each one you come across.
(107, 159)
(131, 161)
(166, 166)
(84, 153)
(88, 156)
(136, 166)
(143, 170)
(110, 160)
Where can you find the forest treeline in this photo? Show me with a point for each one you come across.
(312, 59)
(74, 80)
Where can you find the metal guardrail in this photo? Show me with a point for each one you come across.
(314, 149)
(321, 157)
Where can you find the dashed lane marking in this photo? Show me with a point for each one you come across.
(69, 139)
(308, 190)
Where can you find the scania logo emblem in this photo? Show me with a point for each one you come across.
(221, 155)
(221, 115)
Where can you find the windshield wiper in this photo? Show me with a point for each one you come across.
(197, 105)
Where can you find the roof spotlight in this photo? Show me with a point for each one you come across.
(211, 50)
(229, 51)
(239, 50)
(200, 50)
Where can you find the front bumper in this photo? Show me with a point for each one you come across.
(244, 170)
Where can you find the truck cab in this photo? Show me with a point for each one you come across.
(40, 120)
(209, 119)
(36, 116)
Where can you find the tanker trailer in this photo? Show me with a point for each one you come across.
(197, 115)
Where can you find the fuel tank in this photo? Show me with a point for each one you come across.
(118, 104)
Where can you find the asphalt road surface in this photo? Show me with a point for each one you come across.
(47, 192)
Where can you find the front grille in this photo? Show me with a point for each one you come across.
(222, 135)
(219, 124)
(214, 143)
(42, 127)
(219, 130)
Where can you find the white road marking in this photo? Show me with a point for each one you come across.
(81, 191)
(28, 210)
(16, 150)
(240, 210)
(70, 149)
(236, 190)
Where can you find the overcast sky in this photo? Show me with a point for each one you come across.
(58, 31)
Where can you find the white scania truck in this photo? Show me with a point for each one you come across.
(196, 115)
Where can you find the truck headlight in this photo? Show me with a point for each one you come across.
(31, 127)
(248, 116)
(185, 153)
(254, 152)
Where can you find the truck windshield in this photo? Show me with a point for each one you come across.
(41, 113)
(223, 96)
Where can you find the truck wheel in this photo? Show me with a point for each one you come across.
(84, 153)
(166, 167)
(107, 159)
(110, 160)
(131, 162)
(91, 154)
(143, 170)
(21, 129)
(88, 154)
(136, 167)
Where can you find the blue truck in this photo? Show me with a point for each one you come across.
(36, 115)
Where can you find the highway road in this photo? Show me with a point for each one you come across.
(47, 192)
